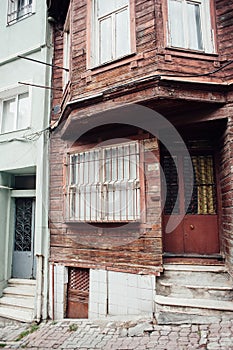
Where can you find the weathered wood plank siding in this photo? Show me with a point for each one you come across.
(226, 183)
(136, 249)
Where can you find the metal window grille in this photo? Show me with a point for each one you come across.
(23, 224)
(79, 279)
(204, 191)
(171, 185)
(103, 184)
(18, 9)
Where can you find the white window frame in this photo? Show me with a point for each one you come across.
(14, 93)
(13, 12)
(104, 200)
(207, 32)
(95, 36)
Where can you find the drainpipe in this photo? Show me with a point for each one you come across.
(52, 302)
(107, 290)
(39, 291)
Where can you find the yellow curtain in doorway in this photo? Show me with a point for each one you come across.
(204, 182)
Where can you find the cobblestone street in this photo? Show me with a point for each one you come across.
(114, 335)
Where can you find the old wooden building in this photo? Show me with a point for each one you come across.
(141, 189)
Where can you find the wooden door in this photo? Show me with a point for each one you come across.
(195, 223)
(78, 293)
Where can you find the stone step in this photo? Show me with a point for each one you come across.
(193, 293)
(196, 311)
(19, 291)
(222, 292)
(194, 268)
(21, 282)
(19, 315)
(168, 283)
(199, 278)
(195, 303)
(17, 303)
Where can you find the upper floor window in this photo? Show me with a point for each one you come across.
(111, 37)
(189, 25)
(14, 112)
(66, 51)
(18, 9)
(103, 184)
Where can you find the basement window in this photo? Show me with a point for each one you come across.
(189, 25)
(103, 184)
(18, 9)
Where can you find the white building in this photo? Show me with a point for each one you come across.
(24, 118)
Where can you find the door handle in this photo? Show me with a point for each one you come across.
(192, 227)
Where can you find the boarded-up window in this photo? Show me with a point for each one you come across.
(103, 184)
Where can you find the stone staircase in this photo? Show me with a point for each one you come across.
(193, 294)
(18, 300)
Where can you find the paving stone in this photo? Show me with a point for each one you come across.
(139, 330)
(213, 346)
(107, 335)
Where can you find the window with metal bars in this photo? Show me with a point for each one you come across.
(180, 187)
(172, 185)
(79, 279)
(103, 184)
(203, 199)
(18, 9)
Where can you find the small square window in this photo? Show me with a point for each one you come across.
(18, 9)
(111, 32)
(189, 25)
(15, 113)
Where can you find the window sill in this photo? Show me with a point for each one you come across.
(17, 132)
(14, 21)
(104, 224)
(180, 52)
(129, 59)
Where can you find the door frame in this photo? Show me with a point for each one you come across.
(181, 183)
(78, 292)
(23, 194)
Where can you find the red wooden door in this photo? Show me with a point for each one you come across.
(78, 293)
(195, 223)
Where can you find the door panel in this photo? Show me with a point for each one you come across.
(197, 228)
(78, 293)
(173, 241)
(23, 255)
(201, 234)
